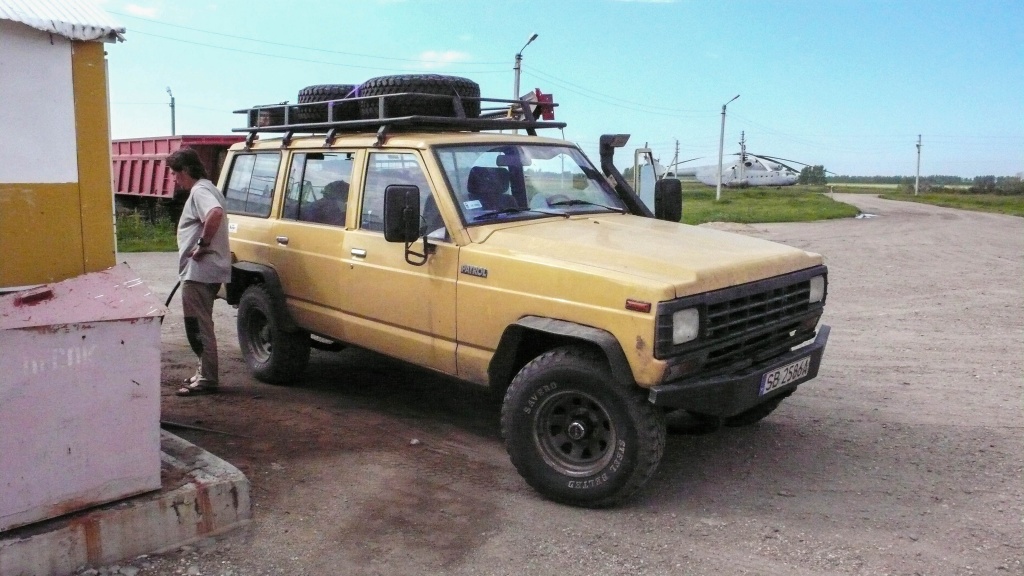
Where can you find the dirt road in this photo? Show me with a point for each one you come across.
(903, 457)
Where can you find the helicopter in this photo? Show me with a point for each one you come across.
(747, 170)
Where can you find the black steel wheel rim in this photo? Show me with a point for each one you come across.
(574, 433)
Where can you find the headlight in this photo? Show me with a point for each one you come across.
(685, 325)
(817, 289)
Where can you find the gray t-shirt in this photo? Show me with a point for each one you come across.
(215, 266)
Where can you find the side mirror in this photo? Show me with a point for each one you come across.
(668, 200)
(401, 213)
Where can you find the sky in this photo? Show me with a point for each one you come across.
(845, 84)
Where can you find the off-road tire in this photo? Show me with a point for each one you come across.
(755, 414)
(419, 105)
(575, 434)
(272, 354)
(323, 93)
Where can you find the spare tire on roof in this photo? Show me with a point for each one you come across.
(419, 105)
(323, 93)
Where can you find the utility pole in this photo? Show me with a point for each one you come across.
(172, 109)
(721, 149)
(917, 178)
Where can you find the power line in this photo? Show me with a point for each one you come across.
(268, 42)
(296, 59)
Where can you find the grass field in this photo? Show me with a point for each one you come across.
(1012, 205)
(749, 205)
(136, 234)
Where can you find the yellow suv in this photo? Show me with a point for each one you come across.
(511, 261)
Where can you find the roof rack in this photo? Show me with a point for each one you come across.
(508, 115)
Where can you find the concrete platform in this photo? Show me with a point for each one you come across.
(200, 496)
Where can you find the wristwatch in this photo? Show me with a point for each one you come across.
(202, 244)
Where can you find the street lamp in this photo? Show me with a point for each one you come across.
(172, 109)
(721, 149)
(519, 59)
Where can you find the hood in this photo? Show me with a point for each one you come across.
(690, 259)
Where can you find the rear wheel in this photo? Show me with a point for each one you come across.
(438, 84)
(576, 435)
(272, 354)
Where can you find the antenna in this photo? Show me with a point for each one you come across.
(743, 154)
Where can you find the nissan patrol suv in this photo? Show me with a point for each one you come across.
(405, 217)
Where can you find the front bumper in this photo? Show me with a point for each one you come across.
(729, 395)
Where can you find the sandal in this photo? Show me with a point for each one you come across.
(192, 379)
(198, 388)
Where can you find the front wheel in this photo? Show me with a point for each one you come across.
(272, 354)
(577, 436)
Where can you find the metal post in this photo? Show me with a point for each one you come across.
(172, 109)
(518, 66)
(917, 178)
(721, 149)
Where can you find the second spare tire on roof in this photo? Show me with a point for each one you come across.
(322, 93)
(417, 105)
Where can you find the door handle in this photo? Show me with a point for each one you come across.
(358, 253)
(282, 240)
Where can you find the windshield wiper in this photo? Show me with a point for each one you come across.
(495, 213)
(578, 202)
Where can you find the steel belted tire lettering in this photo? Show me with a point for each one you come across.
(575, 434)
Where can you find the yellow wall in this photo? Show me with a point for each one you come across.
(54, 231)
(89, 72)
(40, 232)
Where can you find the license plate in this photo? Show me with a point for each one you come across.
(784, 375)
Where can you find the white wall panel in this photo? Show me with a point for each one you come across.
(37, 107)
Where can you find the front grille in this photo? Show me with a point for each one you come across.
(755, 311)
(744, 325)
(754, 348)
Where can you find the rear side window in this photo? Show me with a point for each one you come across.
(318, 184)
(250, 187)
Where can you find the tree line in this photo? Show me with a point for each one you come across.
(939, 183)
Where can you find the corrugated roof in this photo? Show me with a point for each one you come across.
(74, 19)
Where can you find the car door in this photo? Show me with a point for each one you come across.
(308, 250)
(393, 306)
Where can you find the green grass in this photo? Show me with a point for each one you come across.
(749, 205)
(997, 203)
(863, 188)
(136, 234)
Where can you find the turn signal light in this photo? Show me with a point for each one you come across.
(637, 305)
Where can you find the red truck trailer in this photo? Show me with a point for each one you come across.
(141, 177)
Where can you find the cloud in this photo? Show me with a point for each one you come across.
(136, 10)
(432, 60)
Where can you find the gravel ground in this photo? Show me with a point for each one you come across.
(902, 457)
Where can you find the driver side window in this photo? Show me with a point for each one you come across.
(385, 169)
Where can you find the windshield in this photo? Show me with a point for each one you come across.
(508, 182)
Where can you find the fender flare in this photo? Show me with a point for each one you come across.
(244, 274)
(503, 364)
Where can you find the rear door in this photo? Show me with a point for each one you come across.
(392, 306)
(307, 248)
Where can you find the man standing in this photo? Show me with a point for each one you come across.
(204, 263)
